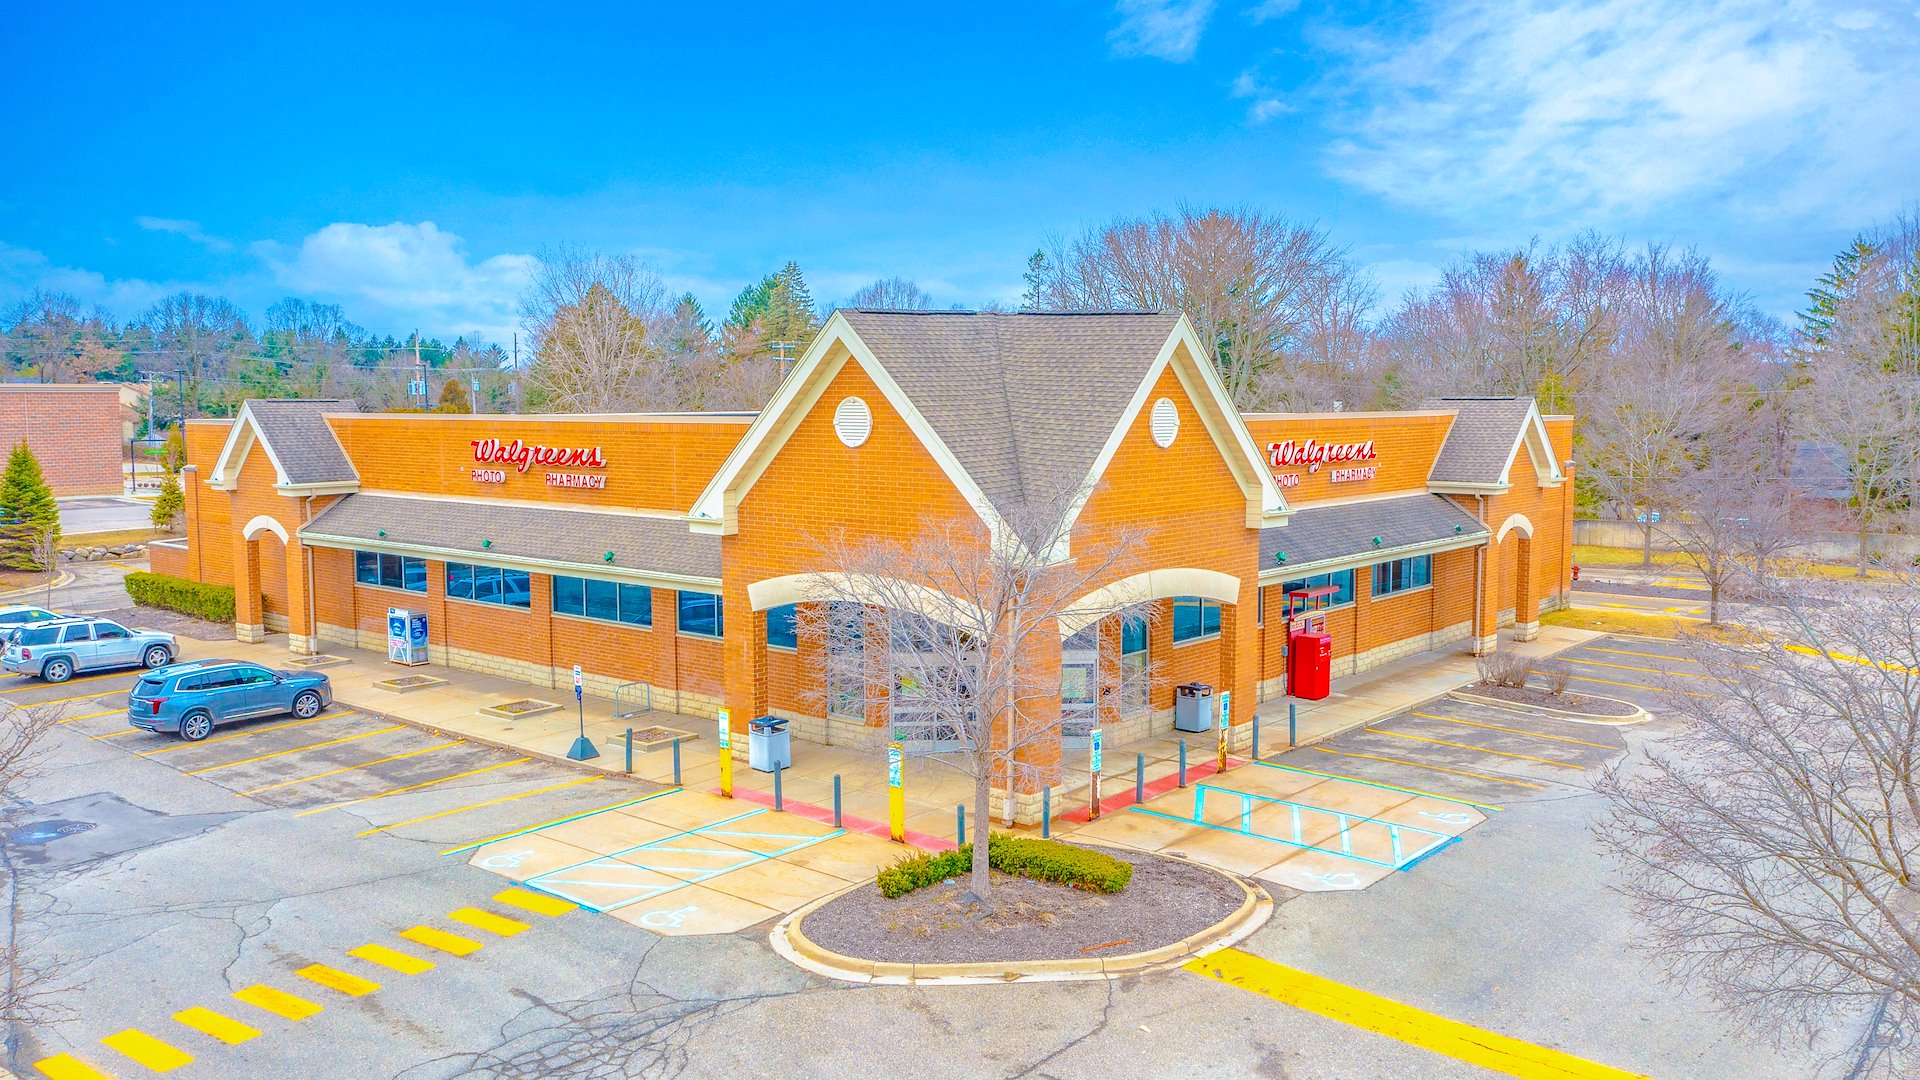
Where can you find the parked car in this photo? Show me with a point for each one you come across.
(194, 697)
(17, 614)
(56, 650)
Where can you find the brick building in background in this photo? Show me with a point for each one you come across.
(75, 430)
(671, 550)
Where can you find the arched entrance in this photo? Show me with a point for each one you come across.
(264, 580)
(1515, 541)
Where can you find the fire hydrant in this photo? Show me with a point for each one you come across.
(1576, 571)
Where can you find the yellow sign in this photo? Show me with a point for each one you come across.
(1226, 726)
(726, 753)
(897, 792)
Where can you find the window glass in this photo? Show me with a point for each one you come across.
(1195, 617)
(783, 631)
(79, 632)
(569, 596)
(460, 580)
(1133, 634)
(603, 600)
(36, 635)
(190, 683)
(1402, 574)
(516, 588)
(700, 614)
(366, 567)
(413, 574)
(636, 605)
(486, 584)
(107, 631)
(256, 676)
(1340, 579)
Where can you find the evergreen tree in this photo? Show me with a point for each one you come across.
(454, 397)
(1830, 297)
(172, 501)
(28, 513)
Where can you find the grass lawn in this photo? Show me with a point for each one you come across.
(116, 538)
(1589, 555)
(1646, 625)
(21, 579)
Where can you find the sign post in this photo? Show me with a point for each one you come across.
(582, 746)
(1226, 726)
(725, 719)
(1093, 774)
(896, 792)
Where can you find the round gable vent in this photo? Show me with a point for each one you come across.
(1166, 422)
(853, 421)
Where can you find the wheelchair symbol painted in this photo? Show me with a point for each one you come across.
(667, 920)
(1450, 819)
(1339, 879)
(505, 862)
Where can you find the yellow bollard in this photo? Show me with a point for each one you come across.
(1226, 726)
(897, 792)
(726, 754)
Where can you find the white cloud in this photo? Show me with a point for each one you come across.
(1588, 112)
(1267, 104)
(1167, 29)
(22, 270)
(182, 227)
(1271, 9)
(404, 274)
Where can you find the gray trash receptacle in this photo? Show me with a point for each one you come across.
(769, 745)
(1193, 707)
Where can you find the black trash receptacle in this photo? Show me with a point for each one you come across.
(769, 744)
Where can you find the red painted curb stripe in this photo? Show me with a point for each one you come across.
(1155, 788)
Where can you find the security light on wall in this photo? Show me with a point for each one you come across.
(486, 544)
(607, 557)
(1279, 556)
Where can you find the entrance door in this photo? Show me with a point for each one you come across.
(1080, 686)
(927, 689)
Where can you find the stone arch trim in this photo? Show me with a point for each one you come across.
(1514, 523)
(1149, 585)
(814, 588)
(264, 523)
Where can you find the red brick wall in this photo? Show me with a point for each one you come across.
(73, 430)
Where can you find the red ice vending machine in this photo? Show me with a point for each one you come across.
(1310, 664)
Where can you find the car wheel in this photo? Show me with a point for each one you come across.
(196, 727)
(57, 670)
(306, 705)
(157, 656)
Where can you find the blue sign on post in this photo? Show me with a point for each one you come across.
(1093, 742)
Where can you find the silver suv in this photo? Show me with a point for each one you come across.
(56, 651)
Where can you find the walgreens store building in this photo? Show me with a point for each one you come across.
(670, 550)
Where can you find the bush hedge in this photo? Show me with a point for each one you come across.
(1021, 856)
(211, 602)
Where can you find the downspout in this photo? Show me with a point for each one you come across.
(313, 619)
(1479, 575)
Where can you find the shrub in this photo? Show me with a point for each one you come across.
(1503, 669)
(1557, 673)
(211, 602)
(1021, 856)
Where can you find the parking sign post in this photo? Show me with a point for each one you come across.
(582, 746)
(726, 753)
(1093, 774)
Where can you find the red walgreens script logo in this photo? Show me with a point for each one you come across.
(1292, 454)
(524, 456)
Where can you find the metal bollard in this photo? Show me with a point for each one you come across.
(676, 763)
(1293, 723)
(960, 821)
(836, 800)
(629, 751)
(1256, 736)
(1046, 813)
(1183, 763)
(1139, 778)
(779, 802)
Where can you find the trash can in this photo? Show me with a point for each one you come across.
(1193, 707)
(769, 746)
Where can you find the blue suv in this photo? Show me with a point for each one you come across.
(192, 698)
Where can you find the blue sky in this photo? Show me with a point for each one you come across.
(408, 162)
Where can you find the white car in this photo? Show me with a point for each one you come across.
(16, 614)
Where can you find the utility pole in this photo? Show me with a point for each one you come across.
(419, 372)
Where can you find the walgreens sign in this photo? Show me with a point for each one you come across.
(1307, 453)
(524, 456)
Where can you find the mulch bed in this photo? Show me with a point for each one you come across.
(1568, 702)
(153, 618)
(1167, 900)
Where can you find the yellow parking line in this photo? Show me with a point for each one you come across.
(295, 750)
(147, 1050)
(538, 903)
(249, 733)
(1630, 652)
(86, 678)
(334, 979)
(207, 1022)
(1435, 768)
(488, 921)
(124, 731)
(440, 939)
(1648, 670)
(349, 768)
(1470, 746)
(1515, 731)
(392, 958)
(476, 806)
(1884, 665)
(89, 716)
(68, 1067)
(1385, 1016)
(1636, 686)
(278, 1002)
(412, 787)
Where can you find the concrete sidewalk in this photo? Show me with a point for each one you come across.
(934, 787)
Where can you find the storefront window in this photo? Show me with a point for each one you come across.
(1340, 579)
(490, 585)
(390, 571)
(1402, 574)
(1194, 618)
(1136, 687)
(846, 649)
(608, 601)
(700, 615)
(783, 630)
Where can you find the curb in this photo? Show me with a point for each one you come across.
(1639, 715)
(60, 581)
(497, 744)
(794, 946)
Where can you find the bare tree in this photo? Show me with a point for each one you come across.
(24, 1001)
(892, 294)
(196, 337)
(1258, 287)
(966, 618)
(598, 325)
(1772, 845)
(1737, 513)
(1872, 421)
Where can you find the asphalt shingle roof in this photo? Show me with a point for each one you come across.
(1025, 401)
(1317, 534)
(1481, 439)
(580, 538)
(301, 441)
